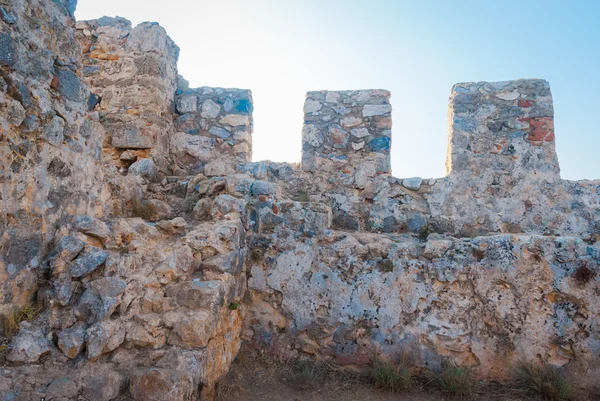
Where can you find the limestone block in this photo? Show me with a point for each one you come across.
(156, 384)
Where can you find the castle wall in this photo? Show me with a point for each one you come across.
(347, 132)
(50, 146)
(494, 264)
(132, 74)
(487, 303)
(132, 213)
(214, 130)
(503, 173)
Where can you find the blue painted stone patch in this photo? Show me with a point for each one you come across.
(244, 106)
(379, 144)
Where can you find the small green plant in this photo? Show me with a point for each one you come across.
(234, 306)
(302, 196)
(3, 348)
(13, 320)
(545, 381)
(391, 376)
(455, 381)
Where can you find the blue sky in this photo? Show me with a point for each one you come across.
(416, 49)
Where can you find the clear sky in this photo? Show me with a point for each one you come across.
(417, 49)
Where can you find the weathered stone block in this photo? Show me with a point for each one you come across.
(187, 104)
(54, 131)
(29, 345)
(72, 340)
(70, 86)
(209, 295)
(129, 136)
(87, 263)
(64, 252)
(8, 50)
(155, 384)
(104, 387)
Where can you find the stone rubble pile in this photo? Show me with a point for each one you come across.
(133, 215)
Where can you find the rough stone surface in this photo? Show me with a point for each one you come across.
(29, 345)
(155, 384)
(222, 125)
(144, 168)
(154, 246)
(103, 387)
(62, 388)
(87, 263)
(72, 340)
(334, 135)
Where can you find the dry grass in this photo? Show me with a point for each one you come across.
(12, 321)
(455, 381)
(304, 374)
(391, 376)
(230, 386)
(299, 374)
(545, 381)
(260, 375)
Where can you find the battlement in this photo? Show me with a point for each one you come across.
(133, 215)
(347, 129)
(506, 126)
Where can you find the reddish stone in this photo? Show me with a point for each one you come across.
(525, 103)
(262, 198)
(54, 83)
(541, 129)
(275, 209)
(497, 148)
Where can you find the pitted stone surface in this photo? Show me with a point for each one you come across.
(153, 245)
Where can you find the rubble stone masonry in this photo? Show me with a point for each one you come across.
(133, 217)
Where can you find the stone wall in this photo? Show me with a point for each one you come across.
(346, 131)
(504, 128)
(214, 130)
(50, 146)
(493, 264)
(133, 75)
(133, 215)
(503, 169)
(487, 303)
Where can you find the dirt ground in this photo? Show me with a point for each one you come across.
(256, 378)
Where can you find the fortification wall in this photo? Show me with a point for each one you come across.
(50, 145)
(346, 131)
(137, 221)
(493, 264)
(214, 130)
